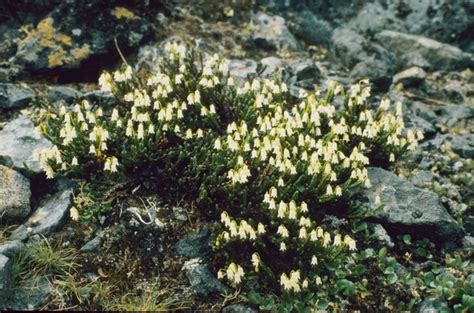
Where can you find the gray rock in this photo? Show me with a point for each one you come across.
(410, 77)
(311, 29)
(11, 248)
(422, 178)
(272, 64)
(406, 208)
(67, 94)
(239, 308)
(92, 245)
(373, 17)
(240, 70)
(271, 32)
(432, 306)
(377, 71)
(382, 236)
(15, 96)
(15, 195)
(422, 110)
(49, 216)
(461, 144)
(451, 115)
(304, 70)
(197, 244)
(349, 46)
(18, 140)
(5, 278)
(63, 41)
(416, 122)
(468, 243)
(202, 281)
(31, 296)
(413, 50)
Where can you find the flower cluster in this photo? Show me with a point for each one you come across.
(271, 165)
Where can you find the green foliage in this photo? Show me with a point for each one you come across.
(268, 164)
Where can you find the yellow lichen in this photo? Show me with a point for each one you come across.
(56, 58)
(121, 12)
(65, 39)
(81, 53)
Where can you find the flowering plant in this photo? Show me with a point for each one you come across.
(268, 164)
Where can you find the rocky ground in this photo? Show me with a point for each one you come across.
(148, 254)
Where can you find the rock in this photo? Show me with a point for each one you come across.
(31, 296)
(202, 281)
(271, 32)
(304, 70)
(432, 306)
(411, 77)
(349, 46)
(11, 248)
(15, 96)
(461, 144)
(239, 308)
(381, 235)
(468, 243)
(18, 140)
(373, 17)
(271, 64)
(240, 70)
(405, 208)
(422, 110)
(452, 114)
(197, 244)
(422, 178)
(67, 94)
(413, 50)
(416, 122)
(91, 245)
(377, 71)
(49, 216)
(5, 278)
(311, 29)
(61, 40)
(15, 196)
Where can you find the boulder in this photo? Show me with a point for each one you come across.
(15, 96)
(18, 140)
(240, 70)
(414, 50)
(30, 296)
(462, 144)
(239, 308)
(406, 209)
(197, 244)
(11, 248)
(15, 196)
(66, 94)
(5, 278)
(202, 281)
(271, 64)
(61, 40)
(377, 71)
(410, 77)
(271, 32)
(349, 46)
(310, 28)
(49, 216)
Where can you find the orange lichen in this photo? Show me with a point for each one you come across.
(123, 13)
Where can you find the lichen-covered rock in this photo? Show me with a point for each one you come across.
(31, 295)
(271, 32)
(414, 50)
(66, 94)
(239, 308)
(74, 32)
(5, 278)
(15, 96)
(49, 216)
(310, 28)
(462, 144)
(197, 244)
(18, 140)
(202, 281)
(15, 195)
(11, 248)
(410, 77)
(241, 70)
(405, 208)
